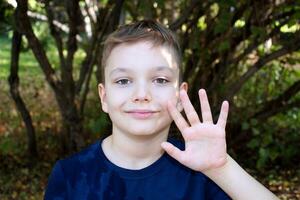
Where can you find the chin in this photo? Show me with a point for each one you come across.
(147, 132)
(143, 132)
(144, 128)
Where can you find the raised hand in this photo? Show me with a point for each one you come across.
(205, 143)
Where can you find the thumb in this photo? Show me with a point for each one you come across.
(173, 151)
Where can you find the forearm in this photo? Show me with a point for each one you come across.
(237, 183)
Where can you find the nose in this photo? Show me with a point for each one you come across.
(142, 93)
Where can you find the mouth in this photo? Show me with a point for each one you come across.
(141, 114)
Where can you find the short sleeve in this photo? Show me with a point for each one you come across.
(56, 188)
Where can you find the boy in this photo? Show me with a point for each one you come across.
(142, 92)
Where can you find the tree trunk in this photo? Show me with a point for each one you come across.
(63, 88)
(14, 91)
(72, 139)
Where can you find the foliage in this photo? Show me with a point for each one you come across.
(228, 33)
(6, 12)
(244, 51)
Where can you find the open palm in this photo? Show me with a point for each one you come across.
(205, 143)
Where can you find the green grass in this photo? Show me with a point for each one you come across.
(34, 89)
(4, 57)
(27, 64)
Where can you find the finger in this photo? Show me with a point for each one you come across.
(205, 108)
(178, 119)
(223, 114)
(173, 151)
(189, 110)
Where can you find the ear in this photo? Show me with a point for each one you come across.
(102, 95)
(183, 86)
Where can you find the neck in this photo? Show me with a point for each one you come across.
(134, 152)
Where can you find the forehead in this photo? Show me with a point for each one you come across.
(141, 56)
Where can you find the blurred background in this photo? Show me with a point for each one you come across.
(244, 51)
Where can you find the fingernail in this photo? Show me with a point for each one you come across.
(202, 91)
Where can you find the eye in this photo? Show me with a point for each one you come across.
(123, 81)
(161, 80)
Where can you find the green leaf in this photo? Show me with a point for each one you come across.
(254, 143)
(201, 23)
(224, 46)
(274, 153)
(255, 131)
(245, 126)
(267, 139)
(263, 158)
(253, 122)
(223, 23)
(227, 2)
(258, 31)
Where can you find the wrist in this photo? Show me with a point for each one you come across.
(237, 183)
(219, 171)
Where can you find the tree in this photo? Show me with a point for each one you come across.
(70, 94)
(227, 46)
(14, 91)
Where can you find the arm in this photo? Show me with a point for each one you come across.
(237, 183)
(205, 150)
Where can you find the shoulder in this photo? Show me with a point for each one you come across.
(86, 160)
(84, 155)
(74, 174)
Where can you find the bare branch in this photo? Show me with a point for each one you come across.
(89, 13)
(55, 33)
(107, 24)
(44, 18)
(280, 104)
(24, 26)
(234, 88)
(256, 42)
(185, 15)
(91, 9)
(72, 11)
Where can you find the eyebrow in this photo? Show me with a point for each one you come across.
(156, 69)
(119, 70)
(163, 68)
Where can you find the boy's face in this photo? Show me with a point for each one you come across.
(139, 81)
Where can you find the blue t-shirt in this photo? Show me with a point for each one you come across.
(90, 175)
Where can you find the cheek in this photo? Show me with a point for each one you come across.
(163, 96)
(117, 98)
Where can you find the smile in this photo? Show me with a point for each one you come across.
(141, 114)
